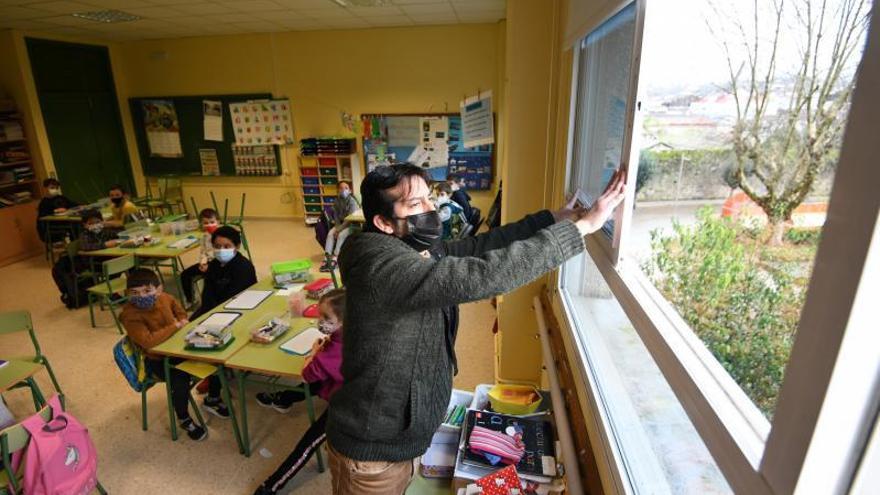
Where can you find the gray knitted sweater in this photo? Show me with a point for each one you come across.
(398, 374)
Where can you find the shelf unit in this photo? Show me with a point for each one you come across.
(319, 177)
(18, 217)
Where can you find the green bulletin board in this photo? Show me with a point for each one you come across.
(190, 118)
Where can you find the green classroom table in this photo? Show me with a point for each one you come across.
(16, 372)
(270, 360)
(159, 250)
(174, 347)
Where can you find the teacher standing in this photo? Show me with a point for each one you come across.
(404, 285)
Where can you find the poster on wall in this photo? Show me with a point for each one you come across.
(477, 127)
(262, 122)
(433, 142)
(210, 163)
(162, 128)
(213, 120)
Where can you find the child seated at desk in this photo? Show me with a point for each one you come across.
(123, 210)
(228, 273)
(150, 317)
(323, 374)
(94, 236)
(210, 221)
(53, 203)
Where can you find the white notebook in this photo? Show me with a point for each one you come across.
(248, 299)
(301, 343)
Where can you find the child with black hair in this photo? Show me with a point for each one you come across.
(122, 208)
(150, 317)
(209, 220)
(53, 203)
(94, 236)
(322, 370)
(228, 273)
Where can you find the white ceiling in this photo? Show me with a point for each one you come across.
(186, 18)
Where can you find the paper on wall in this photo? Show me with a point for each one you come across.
(213, 120)
(477, 126)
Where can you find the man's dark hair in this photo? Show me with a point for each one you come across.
(209, 213)
(140, 277)
(443, 187)
(376, 196)
(336, 299)
(228, 232)
(118, 187)
(454, 178)
(89, 215)
(51, 181)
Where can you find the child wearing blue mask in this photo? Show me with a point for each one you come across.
(228, 273)
(150, 317)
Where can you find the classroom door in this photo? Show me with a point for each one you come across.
(81, 114)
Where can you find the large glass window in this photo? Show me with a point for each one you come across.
(736, 162)
(688, 328)
(604, 67)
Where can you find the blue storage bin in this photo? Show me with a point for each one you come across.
(310, 181)
(311, 190)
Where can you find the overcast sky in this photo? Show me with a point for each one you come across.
(679, 49)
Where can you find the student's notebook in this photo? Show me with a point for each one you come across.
(183, 243)
(248, 299)
(301, 343)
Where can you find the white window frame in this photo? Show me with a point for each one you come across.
(830, 394)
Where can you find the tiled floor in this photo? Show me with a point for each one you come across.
(132, 461)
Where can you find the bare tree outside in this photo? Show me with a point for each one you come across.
(780, 153)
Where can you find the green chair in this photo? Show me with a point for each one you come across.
(12, 440)
(238, 221)
(171, 418)
(79, 277)
(103, 292)
(171, 190)
(20, 321)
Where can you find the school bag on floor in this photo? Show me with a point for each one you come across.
(60, 458)
(130, 361)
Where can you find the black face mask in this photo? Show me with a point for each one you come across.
(117, 201)
(424, 230)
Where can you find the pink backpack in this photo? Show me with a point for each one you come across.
(60, 458)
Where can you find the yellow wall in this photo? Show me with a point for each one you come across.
(530, 125)
(390, 70)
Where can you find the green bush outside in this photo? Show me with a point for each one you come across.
(741, 297)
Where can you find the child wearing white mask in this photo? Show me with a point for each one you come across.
(228, 273)
(345, 205)
(53, 203)
(451, 213)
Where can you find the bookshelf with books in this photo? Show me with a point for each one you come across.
(19, 189)
(323, 163)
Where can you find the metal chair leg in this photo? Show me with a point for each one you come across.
(45, 362)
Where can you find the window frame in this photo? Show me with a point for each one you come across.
(806, 435)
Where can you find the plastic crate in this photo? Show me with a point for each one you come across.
(310, 181)
(312, 199)
(328, 181)
(309, 171)
(328, 161)
(458, 398)
(329, 172)
(318, 209)
(311, 190)
(329, 200)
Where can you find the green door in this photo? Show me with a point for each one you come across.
(81, 113)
